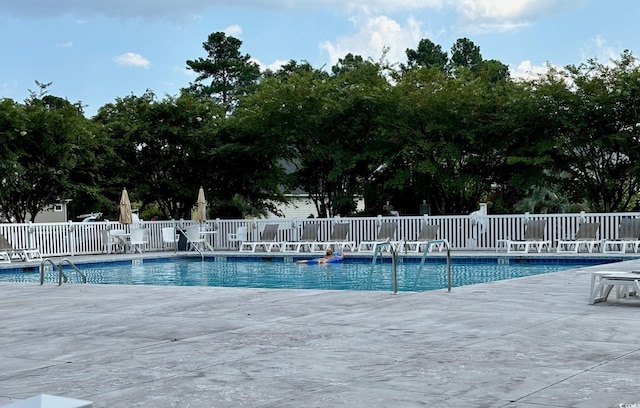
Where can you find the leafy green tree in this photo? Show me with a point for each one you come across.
(451, 136)
(121, 122)
(168, 148)
(284, 111)
(289, 69)
(428, 55)
(591, 116)
(11, 122)
(244, 164)
(225, 74)
(494, 71)
(464, 53)
(45, 140)
(90, 173)
(323, 121)
(361, 94)
(159, 146)
(543, 200)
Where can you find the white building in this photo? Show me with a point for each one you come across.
(301, 206)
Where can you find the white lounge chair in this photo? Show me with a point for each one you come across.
(267, 240)
(533, 238)
(387, 232)
(427, 234)
(26, 254)
(607, 281)
(584, 238)
(628, 237)
(309, 235)
(339, 240)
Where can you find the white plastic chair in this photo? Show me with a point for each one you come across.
(195, 238)
(138, 240)
(109, 242)
(239, 236)
(169, 238)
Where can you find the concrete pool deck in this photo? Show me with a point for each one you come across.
(528, 342)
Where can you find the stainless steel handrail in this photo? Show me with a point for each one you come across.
(44, 261)
(424, 256)
(84, 277)
(58, 267)
(394, 270)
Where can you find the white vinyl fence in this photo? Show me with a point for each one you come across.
(462, 231)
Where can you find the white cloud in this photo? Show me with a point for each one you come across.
(525, 70)
(481, 16)
(373, 31)
(599, 48)
(274, 66)
(385, 6)
(372, 36)
(233, 31)
(132, 59)
(67, 44)
(490, 9)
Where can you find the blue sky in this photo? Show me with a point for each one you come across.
(95, 51)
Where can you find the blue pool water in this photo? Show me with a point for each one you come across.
(285, 274)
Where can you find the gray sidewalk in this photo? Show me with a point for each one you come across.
(529, 342)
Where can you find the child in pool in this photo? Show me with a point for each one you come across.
(328, 257)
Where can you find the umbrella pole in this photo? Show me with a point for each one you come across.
(175, 243)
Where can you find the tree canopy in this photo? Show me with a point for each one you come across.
(225, 74)
(449, 130)
(48, 154)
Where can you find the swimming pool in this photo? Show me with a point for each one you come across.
(284, 274)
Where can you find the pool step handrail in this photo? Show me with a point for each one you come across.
(61, 276)
(48, 261)
(394, 255)
(424, 257)
(78, 271)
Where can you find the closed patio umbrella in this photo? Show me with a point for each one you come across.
(201, 214)
(125, 208)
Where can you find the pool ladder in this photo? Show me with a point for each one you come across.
(424, 256)
(61, 276)
(394, 260)
(377, 250)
